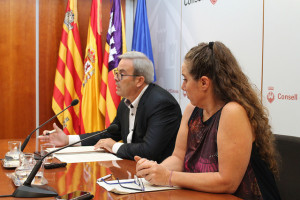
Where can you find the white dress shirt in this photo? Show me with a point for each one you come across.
(132, 113)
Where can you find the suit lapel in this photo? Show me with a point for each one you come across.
(140, 108)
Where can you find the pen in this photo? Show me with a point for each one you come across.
(49, 132)
(104, 177)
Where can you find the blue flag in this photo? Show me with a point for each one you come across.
(141, 40)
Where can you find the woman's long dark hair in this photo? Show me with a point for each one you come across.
(216, 61)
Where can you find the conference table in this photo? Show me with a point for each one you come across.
(83, 177)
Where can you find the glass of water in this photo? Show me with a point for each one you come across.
(14, 148)
(27, 163)
(44, 150)
(13, 155)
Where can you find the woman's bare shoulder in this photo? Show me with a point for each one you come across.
(233, 108)
(188, 110)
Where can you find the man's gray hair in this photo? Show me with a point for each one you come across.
(141, 64)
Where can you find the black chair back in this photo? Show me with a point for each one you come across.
(289, 166)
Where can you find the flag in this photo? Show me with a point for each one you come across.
(92, 120)
(115, 45)
(69, 72)
(141, 39)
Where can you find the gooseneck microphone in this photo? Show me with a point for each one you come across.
(29, 191)
(73, 103)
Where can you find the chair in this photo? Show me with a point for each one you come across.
(289, 167)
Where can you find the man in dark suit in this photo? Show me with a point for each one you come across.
(148, 117)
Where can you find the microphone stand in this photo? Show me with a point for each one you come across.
(30, 191)
(73, 103)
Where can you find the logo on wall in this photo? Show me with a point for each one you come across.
(270, 95)
(280, 96)
(173, 91)
(213, 1)
(189, 2)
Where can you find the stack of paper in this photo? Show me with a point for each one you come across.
(83, 154)
(77, 149)
(114, 187)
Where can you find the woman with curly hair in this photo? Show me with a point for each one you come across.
(225, 142)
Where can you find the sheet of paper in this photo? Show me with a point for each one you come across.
(77, 149)
(86, 157)
(116, 188)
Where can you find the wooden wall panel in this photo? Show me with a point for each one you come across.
(17, 68)
(50, 29)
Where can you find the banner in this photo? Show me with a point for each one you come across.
(114, 47)
(69, 72)
(92, 120)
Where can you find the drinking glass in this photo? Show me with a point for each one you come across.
(12, 156)
(14, 148)
(27, 163)
(44, 151)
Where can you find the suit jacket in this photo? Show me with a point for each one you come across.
(156, 125)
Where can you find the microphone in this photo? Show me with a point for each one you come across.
(28, 191)
(73, 103)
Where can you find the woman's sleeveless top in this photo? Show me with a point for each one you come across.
(202, 156)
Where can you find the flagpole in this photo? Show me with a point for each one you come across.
(37, 103)
(129, 17)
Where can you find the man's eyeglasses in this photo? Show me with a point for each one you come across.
(119, 76)
(137, 184)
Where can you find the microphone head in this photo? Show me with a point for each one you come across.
(74, 102)
(113, 128)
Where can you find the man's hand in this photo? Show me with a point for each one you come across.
(106, 144)
(58, 138)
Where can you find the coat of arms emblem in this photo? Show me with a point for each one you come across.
(69, 19)
(213, 1)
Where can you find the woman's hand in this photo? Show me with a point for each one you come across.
(154, 173)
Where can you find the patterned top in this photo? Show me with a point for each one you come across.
(202, 155)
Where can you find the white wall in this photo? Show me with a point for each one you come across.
(165, 24)
(238, 24)
(264, 36)
(282, 65)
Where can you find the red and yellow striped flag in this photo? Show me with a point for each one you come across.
(92, 120)
(115, 46)
(69, 72)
